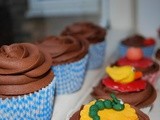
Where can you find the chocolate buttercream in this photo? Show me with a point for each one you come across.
(140, 114)
(64, 49)
(23, 69)
(139, 99)
(91, 32)
(134, 41)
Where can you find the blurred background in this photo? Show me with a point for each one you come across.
(31, 20)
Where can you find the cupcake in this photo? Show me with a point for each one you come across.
(95, 35)
(27, 84)
(127, 85)
(135, 57)
(108, 109)
(138, 41)
(69, 59)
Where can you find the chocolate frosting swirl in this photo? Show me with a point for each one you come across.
(134, 41)
(23, 69)
(139, 99)
(140, 114)
(64, 49)
(91, 32)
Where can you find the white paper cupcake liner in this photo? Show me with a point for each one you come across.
(34, 106)
(70, 77)
(96, 55)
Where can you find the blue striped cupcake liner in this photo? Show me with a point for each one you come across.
(147, 51)
(96, 55)
(34, 106)
(70, 77)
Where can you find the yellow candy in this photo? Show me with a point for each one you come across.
(123, 74)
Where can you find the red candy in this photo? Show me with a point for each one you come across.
(134, 53)
(142, 63)
(149, 41)
(136, 85)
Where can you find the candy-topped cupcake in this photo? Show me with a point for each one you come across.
(135, 57)
(95, 35)
(108, 109)
(69, 60)
(128, 85)
(138, 41)
(27, 83)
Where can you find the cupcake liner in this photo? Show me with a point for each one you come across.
(147, 51)
(152, 78)
(34, 106)
(70, 77)
(96, 55)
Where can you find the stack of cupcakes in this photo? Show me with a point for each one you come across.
(27, 83)
(69, 60)
(95, 35)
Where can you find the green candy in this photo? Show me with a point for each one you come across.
(108, 104)
(118, 107)
(100, 104)
(93, 111)
(94, 108)
(92, 114)
(96, 118)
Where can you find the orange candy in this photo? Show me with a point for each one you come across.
(134, 53)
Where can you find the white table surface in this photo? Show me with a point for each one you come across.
(66, 104)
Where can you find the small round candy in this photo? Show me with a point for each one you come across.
(99, 104)
(134, 53)
(108, 104)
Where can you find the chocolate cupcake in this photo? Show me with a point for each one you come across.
(138, 41)
(27, 86)
(69, 59)
(104, 109)
(147, 66)
(127, 85)
(95, 35)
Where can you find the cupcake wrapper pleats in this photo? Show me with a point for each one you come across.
(147, 51)
(70, 77)
(34, 106)
(96, 55)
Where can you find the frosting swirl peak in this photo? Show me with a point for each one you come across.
(23, 69)
(91, 32)
(64, 49)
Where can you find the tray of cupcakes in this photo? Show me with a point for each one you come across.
(132, 78)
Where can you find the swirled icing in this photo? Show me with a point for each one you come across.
(23, 69)
(64, 49)
(91, 32)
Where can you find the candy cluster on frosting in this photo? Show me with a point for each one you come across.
(91, 32)
(124, 79)
(108, 110)
(64, 49)
(23, 69)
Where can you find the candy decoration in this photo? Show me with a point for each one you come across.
(149, 41)
(136, 85)
(115, 104)
(134, 53)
